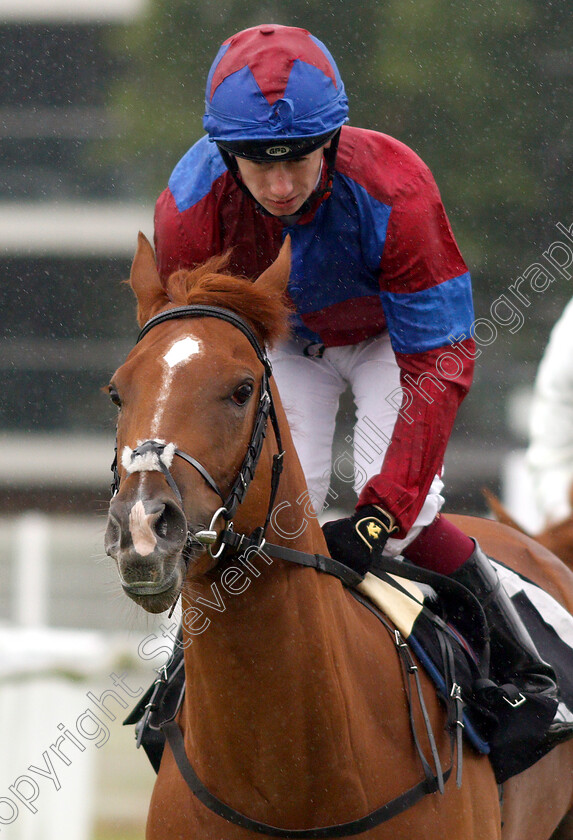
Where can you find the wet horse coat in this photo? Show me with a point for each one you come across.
(557, 536)
(295, 710)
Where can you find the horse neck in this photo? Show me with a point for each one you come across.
(265, 627)
(277, 666)
(250, 591)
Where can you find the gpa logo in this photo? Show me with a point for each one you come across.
(278, 151)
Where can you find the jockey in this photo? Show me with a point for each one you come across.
(381, 295)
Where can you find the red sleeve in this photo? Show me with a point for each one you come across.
(423, 427)
(422, 309)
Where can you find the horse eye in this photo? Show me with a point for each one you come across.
(114, 396)
(243, 393)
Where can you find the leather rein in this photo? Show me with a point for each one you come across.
(231, 542)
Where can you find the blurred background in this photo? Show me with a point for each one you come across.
(98, 101)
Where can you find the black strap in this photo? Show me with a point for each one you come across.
(200, 469)
(385, 812)
(454, 703)
(410, 671)
(200, 311)
(239, 542)
(317, 561)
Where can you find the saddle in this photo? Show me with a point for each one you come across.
(498, 720)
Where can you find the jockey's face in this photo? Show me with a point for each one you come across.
(282, 187)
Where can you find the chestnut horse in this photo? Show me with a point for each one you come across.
(295, 712)
(557, 537)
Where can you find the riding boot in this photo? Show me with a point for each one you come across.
(514, 656)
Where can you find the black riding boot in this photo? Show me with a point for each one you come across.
(514, 656)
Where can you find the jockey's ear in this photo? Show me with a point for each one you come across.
(145, 281)
(275, 278)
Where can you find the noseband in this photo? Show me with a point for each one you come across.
(265, 409)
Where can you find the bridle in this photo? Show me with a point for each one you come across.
(265, 410)
(433, 780)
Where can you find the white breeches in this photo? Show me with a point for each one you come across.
(310, 390)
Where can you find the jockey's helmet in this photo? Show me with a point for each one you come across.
(273, 93)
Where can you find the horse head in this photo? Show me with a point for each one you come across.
(189, 396)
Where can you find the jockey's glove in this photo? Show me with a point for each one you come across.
(356, 540)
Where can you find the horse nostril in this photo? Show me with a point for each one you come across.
(170, 523)
(143, 527)
(161, 525)
(112, 535)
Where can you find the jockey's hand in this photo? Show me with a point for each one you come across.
(357, 539)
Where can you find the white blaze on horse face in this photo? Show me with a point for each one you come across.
(180, 351)
(142, 534)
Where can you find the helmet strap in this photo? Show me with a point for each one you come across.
(230, 162)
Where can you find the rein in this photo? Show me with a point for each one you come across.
(233, 543)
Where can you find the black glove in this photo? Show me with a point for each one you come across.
(357, 539)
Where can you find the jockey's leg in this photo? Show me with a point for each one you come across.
(310, 389)
(514, 657)
(513, 652)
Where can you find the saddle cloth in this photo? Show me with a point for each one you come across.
(549, 624)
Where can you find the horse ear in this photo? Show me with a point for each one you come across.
(275, 277)
(145, 281)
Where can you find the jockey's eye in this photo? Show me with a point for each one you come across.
(243, 393)
(114, 396)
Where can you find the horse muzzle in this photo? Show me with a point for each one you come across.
(152, 597)
(146, 538)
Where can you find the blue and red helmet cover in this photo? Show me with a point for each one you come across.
(273, 82)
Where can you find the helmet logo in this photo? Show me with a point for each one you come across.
(277, 151)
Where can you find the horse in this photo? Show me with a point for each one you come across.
(556, 537)
(295, 715)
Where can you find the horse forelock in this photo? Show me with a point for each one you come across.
(209, 284)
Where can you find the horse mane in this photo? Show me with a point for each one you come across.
(211, 284)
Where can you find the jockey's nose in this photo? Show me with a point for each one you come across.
(280, 181)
